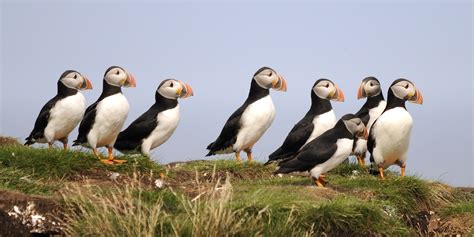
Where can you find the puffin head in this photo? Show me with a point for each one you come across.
(326, 89)
(117, 76)
(369, 87)
(406, 90)
(267, 78)
(355, 126)
(74, 80)
(174, 89)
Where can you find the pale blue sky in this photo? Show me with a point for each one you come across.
(216, 47)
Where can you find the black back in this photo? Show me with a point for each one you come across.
(300, 133)
(89, 116)
(131, 138)
(44, 115)
(318, 150)
(228, 135)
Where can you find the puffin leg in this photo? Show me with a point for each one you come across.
(381, 173)
(403, 170)
(320, 182)
(237, 156)
(249, 154)
(96, 153)
(65, 146)
(361, 160)
(110, 159)
(50, 145)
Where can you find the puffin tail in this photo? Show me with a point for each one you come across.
(29, 141)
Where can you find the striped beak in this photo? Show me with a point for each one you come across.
(86, 84)
(130, 81)
(363, 134)
(337, 94)
(361, 91)
(185, 91)
(417, 98)
(279, 84)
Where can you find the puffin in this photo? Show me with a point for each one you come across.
(327, 151)
(250, 121)
(318, 119)
(389, 136)
(61, 114)
(373, 107)
(158, 123)
(104, 119)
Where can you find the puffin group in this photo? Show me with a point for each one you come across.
(316, 144)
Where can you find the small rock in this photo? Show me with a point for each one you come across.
(280, 175)
(113, 176)
(159, 183)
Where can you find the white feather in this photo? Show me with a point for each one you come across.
(344, 148)
(167, 122)
(322, 123)
(111, 114)
(392, 137)
(256, 119)
(64, 117)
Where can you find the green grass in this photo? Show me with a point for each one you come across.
(43, 171)
(210, 198)
(460, 208)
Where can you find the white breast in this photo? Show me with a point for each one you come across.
(392, 136)
(167, 122)
(65, 116)
(344, 149)
(111, 114)
(322, 123)
(375, 113)
(256, 119)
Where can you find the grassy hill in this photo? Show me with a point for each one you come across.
(72, 193)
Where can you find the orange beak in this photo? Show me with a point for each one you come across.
(86, 84)
(417, 98)
(187, 90)
(338, 95)
(279, 84)
(130, 82)
(361, 92)
(364, 135)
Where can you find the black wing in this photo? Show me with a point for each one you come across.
(131, 138)
(41, 121)
(86, 124)
(228, 135)
(371, 139)
(298, 135)
(363, 114)
(315, 152)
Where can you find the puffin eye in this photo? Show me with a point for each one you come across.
(271, 73)
(118, 72)
(327, 85)
(371, 84)
(406, 86)
(75, 76)
(171, 84)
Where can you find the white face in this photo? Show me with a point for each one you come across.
(372, 88)
(356, 127)
(116, 76)
(174, 89)
(75, 80)
(404, 90)
(265, 78)
(324, 89)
